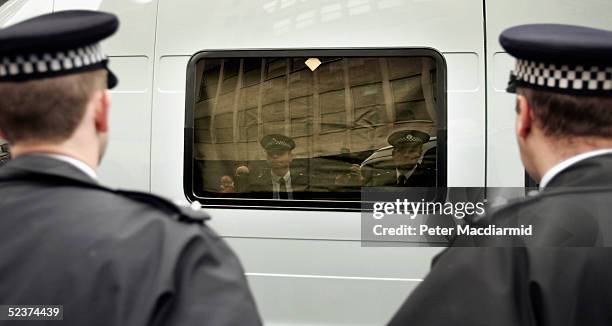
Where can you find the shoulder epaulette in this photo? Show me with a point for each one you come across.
(182, 213)
(189, 214)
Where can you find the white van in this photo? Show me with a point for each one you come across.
(201, 82)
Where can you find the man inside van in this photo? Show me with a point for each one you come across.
(407, 168)
(280, 179)
(560, 274)
(104, 256)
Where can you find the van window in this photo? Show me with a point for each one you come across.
(263, 128)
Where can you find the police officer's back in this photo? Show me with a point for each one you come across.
(559, 274)
(109, 257)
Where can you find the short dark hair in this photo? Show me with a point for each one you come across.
(564, 115)
(46, 110)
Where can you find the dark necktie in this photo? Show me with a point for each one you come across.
(401, 180)
(282, 189)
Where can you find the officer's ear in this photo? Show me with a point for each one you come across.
(524, 117)
(102, 109)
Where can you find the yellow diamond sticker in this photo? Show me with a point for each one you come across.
(313, 63)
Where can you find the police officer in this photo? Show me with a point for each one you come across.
(280, 179)
(109, 257)
(5, 154)
(408, 170)
(556, 276)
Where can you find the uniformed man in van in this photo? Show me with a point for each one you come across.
(280, 179)
(560, 275)
(109, 257)
(407, 168)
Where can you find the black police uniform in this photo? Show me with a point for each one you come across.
(560, 274)
(421, 176)
(112, 257)
(109, 257)
(262, 183)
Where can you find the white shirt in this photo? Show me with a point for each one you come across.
(76, 163)
(276, 185)
(550, 174)
(406, 175)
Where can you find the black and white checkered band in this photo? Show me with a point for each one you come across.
(39, 65)
(578, 78)
(279, 142)
(409, 139)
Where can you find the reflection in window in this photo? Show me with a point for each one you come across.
(301, 116)
(202, 130)
(276, 68)
(248, 125)
(230, 75)
(252, 72)
(210, 80)
(409, 100)
(333, 111)
(331, 75)
(5, 153)
(273, 117)
(369, 103)
(224, 128)
(273, 128)
(364, 70)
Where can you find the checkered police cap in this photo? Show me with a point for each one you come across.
(564, 76)
(407, 137)
(57, 44)
(560, 58)
(277, 142)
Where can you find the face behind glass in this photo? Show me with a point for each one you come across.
(226, 182)
(279, 160)
(406, 157)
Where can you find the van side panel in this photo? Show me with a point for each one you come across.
(308, 268)
(16, 11)
(127, 160)
(200, 25)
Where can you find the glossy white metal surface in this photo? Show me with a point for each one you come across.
(308, 268)
(330, 282)
(14, 11)
(127, 162)
(136, 35)
(184, 30)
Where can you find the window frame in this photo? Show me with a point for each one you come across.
(191, 93)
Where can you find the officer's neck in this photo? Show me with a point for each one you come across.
(550, 152)
(68, 148)
(280, 173)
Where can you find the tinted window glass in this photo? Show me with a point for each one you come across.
(313, 128)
